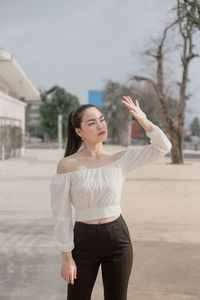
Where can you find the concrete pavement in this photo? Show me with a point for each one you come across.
(160, 203)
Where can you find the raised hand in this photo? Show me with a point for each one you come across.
(135, 109)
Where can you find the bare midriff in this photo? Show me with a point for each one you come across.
(101, 221)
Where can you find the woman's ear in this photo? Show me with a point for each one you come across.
(77, 132)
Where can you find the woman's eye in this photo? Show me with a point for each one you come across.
(93, 122)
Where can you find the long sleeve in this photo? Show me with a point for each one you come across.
(61, 207)
(159, 146)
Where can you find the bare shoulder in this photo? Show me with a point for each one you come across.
(78, 161)
(67, 164)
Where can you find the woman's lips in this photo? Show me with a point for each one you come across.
(103, 132)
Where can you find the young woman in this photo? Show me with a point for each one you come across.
(89, 228)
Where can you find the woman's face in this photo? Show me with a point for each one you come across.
(92, 124)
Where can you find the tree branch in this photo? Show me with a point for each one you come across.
(141, 78)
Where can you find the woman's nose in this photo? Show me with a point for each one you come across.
(99, 125)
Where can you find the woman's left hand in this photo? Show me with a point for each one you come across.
(135, 109)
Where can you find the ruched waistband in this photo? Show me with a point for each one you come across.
(107, 224)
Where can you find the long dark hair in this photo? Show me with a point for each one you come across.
(74, 141)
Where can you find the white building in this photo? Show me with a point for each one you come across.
(14, 84)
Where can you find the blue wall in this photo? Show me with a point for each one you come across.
(95, 97)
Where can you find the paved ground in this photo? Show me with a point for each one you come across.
(160, 203)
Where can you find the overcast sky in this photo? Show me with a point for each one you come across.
(79, 45)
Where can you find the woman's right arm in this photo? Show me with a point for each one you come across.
(68, 269)
(63, 233)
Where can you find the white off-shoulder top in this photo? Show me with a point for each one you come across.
(94, 193)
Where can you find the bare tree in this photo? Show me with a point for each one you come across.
(174, 124)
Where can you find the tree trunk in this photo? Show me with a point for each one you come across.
(176, 138)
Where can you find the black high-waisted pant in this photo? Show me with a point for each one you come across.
(108, 244)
